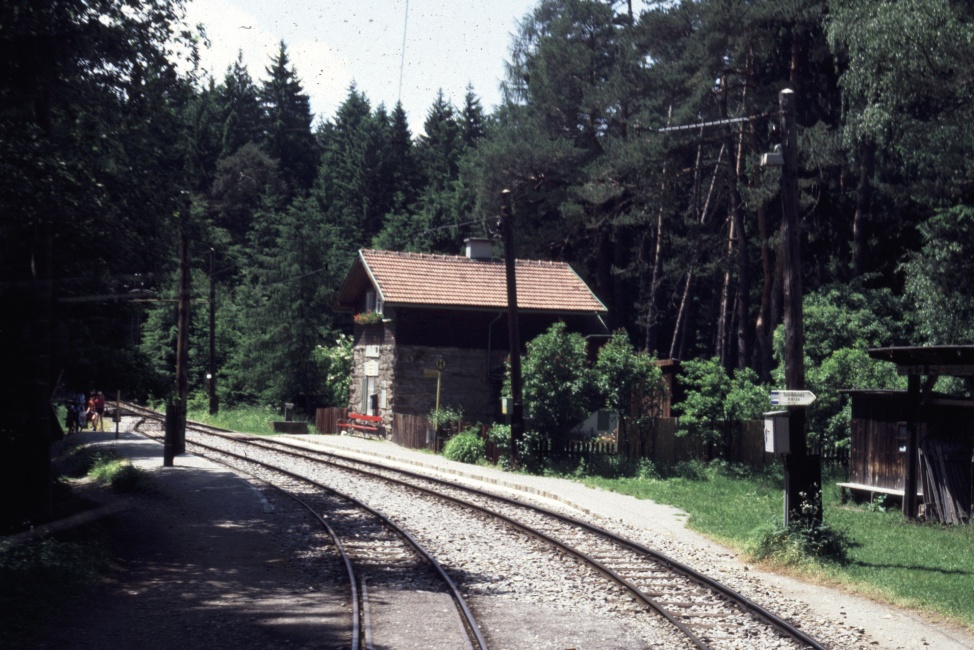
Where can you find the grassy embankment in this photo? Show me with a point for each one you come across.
(245, 419)
(925, 567)
(40, 577)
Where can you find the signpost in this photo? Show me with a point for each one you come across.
(792, 397)
(437, 372)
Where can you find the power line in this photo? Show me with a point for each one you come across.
(449, 225)
(700, 125)
(402, 59)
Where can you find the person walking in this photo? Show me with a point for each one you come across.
(100, 410)
(91, 414)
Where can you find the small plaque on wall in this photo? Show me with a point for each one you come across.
(372, 351)
(371, 368)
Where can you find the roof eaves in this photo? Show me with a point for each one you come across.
(368, 271)
(585, 284)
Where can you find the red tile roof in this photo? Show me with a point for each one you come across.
(420, 279)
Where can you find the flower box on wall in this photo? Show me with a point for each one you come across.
(368, 318)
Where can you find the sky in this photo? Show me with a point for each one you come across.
(449, 44)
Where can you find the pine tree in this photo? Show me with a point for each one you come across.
(287, 124)
(440, 146)
(473, 123)
(404, 168)
(240, 108)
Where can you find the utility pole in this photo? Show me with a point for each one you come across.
(175, 441)
(803, 473)
(513, 331)
(211, 375)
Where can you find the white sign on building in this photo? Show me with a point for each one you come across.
(371, 368)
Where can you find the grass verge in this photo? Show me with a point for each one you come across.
(921, 566)
(40, 577)
(245, 419)
(117, 472)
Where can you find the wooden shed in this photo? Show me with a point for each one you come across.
(917, 444)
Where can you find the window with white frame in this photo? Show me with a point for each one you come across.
(373, 302)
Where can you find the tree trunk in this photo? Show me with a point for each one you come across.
(863, 197)
(652, 326)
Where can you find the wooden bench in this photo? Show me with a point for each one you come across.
(361, 422)
(851, 489)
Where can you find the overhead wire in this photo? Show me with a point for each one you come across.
(402, 59)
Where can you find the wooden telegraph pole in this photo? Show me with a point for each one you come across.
(802, 473)
(513, 332)
(175, 442)
(211, 374)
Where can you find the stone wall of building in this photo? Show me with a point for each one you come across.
(463, 381)
(373, 355)
(405, 377)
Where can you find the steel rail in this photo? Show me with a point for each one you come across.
(702, 580)
(537, 534)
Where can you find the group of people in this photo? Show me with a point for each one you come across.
(85, 413)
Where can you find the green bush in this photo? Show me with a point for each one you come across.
(805, 539)
(446, 420)
(465, 447)
(118, 473)
(716, 402)
(336, 365)
(558, 388)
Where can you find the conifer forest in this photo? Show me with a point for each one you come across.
(631, 143)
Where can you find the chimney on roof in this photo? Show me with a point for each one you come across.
(478, 248)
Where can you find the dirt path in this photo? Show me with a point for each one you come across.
(202, 560)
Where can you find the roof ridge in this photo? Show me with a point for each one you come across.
(460, 257)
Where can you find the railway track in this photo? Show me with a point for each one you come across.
(707, 613)
(375, 551)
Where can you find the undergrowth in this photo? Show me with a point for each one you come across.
(117, 472)
(465, 447)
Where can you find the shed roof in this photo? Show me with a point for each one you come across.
(953, 360)
(456, 281)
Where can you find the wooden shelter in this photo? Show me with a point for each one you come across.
(918, 443)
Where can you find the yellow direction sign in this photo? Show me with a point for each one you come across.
(431, 373)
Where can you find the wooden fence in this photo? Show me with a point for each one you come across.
(410, 431)
(326, 420)
(660, 443)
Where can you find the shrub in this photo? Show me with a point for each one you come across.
(336, 363)
(118, 473)
(465, 447)
(631, 385)
(447, 420)
(716, 402)
(805, 539)
(558, 390)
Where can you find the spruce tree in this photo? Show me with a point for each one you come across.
(287, 124)
(240, 108)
